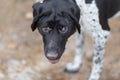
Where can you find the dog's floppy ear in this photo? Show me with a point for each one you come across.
(36, 15)
(75, 14)
(34, 23)
(75, 20)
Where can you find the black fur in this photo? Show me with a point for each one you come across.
(107, 8)
(88, 1)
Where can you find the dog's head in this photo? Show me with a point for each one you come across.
(56, 20)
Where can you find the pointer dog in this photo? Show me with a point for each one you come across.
(57, 20)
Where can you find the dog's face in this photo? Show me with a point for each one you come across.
(56, 20)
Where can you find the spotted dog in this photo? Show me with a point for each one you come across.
(57, 20)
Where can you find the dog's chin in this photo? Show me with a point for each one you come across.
(53, 61)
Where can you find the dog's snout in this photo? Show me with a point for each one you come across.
(52, 56)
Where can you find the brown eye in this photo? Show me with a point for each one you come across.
(63, 29)
(46, 29)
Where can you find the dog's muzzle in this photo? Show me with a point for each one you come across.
(52, 57)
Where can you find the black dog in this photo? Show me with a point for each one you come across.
(56, 22)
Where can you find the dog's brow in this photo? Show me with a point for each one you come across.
(46, 13)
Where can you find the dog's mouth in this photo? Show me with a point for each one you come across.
(53, 57)
(53, 61)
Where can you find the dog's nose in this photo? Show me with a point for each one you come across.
(52, 56)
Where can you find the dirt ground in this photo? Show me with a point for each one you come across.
(22, 55)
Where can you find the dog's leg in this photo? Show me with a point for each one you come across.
(74, 66)
(100, 39)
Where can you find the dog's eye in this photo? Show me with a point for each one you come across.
(46, 29)
(63, 29)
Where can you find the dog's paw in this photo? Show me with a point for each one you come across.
(71, 71)
(72, 68)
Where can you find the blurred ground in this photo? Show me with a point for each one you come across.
(21, 50)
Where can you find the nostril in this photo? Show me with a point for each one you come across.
(52, 56)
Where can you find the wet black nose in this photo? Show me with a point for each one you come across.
(52, 56)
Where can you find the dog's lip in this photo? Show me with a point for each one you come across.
(53, 61)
